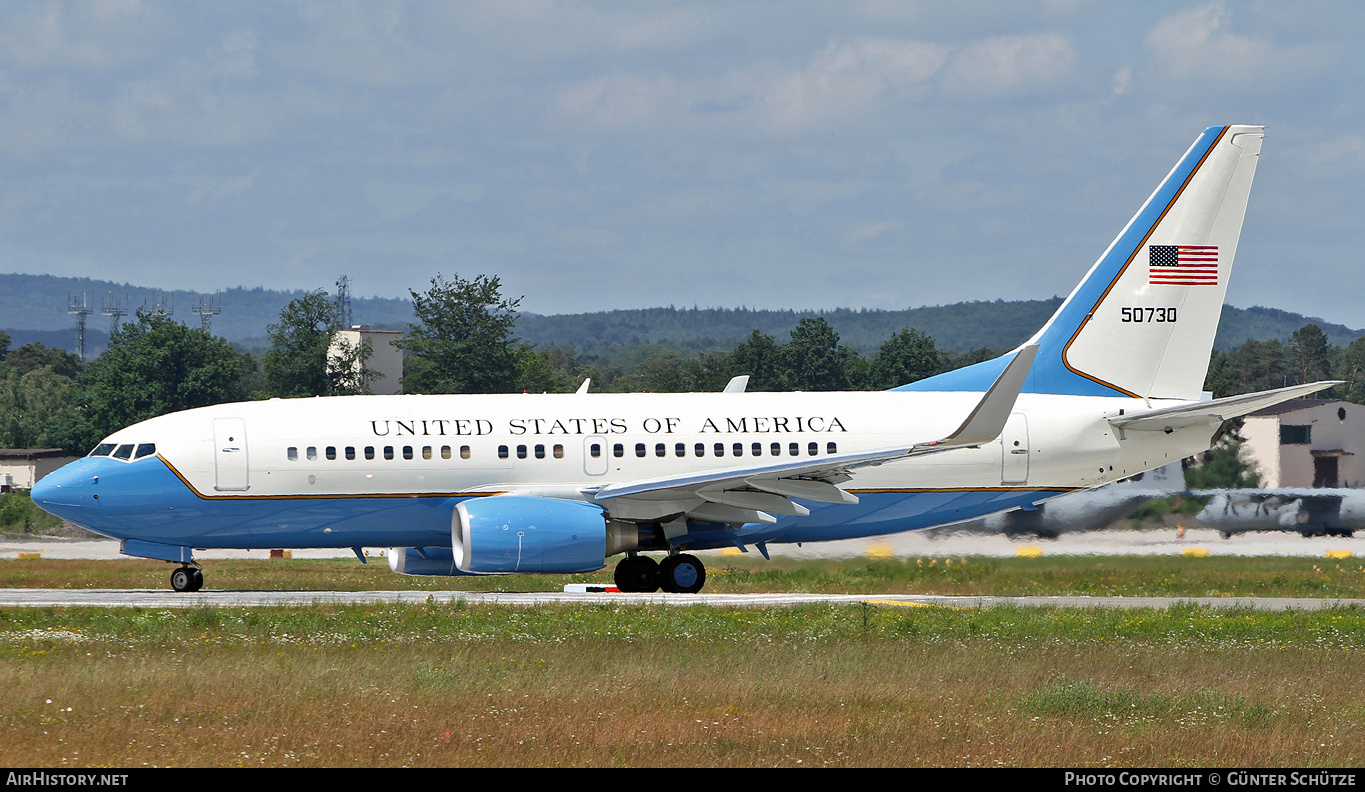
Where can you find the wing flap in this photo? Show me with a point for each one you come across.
(805, 489)
(755, 501)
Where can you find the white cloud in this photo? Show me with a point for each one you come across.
(866, 233)
(851, 77)
(1195, 41)
(215, 99)
(536, 29)
(396, 200)
(78, 35)
(369, 44)
(860, 76)
(1123, 80)
(1009, 65)
(803, 197)
(42, 115)
(1336, 157)
(1197, 47)
(618, 101)
(213, 189)
(755, 139)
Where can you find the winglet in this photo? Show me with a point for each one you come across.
(987, 421)
(584, 387)
(737, 384)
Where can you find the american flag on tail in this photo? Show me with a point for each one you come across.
(1183, 265)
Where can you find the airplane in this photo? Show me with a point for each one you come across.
(559, 483)
(1311, 512)
(1086, 510)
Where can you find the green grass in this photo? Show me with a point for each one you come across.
(461, 623)
(1084, 698)
(462, 684)
(1131, 576)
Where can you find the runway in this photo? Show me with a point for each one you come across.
(909, 545)
(913, 544)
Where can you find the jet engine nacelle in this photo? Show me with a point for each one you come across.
(430, 561)
(511, 533)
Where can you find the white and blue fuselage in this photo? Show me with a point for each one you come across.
(387, 471)
(1109, 387)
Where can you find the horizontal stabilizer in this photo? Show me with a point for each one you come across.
(1198, 413)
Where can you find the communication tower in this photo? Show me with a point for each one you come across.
(207, 307)
(80, 307)
(164, 305)
(115, 309)
(344, 303)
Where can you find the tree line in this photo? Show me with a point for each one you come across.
(1307, 357)
(463, 341)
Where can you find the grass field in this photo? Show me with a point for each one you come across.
(610, 685)
(1177, 576)
(623, 685)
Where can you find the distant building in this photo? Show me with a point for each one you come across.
(386, 358)
(21, 467)
(1308, 443)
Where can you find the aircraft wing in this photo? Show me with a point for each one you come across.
(1168, 419)
(1253, 495)
(1280, 496)
(749, 493)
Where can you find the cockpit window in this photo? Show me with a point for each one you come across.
(102, 449)
(124, 452)
(145, 449)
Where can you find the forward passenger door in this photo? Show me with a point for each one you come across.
(229, 455)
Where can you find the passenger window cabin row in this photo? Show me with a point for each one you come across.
(595, 450)
(408, 452)
(717, 449)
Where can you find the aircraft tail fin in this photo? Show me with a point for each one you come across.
(1142, 321)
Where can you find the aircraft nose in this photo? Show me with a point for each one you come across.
(66, 486)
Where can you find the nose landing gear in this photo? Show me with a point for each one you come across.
(187, 578)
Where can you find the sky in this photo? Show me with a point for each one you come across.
(592, 156)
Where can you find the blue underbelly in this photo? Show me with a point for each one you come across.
(145, 500)
(880, 513)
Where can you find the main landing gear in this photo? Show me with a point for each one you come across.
(678, 574)
(187, 578)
